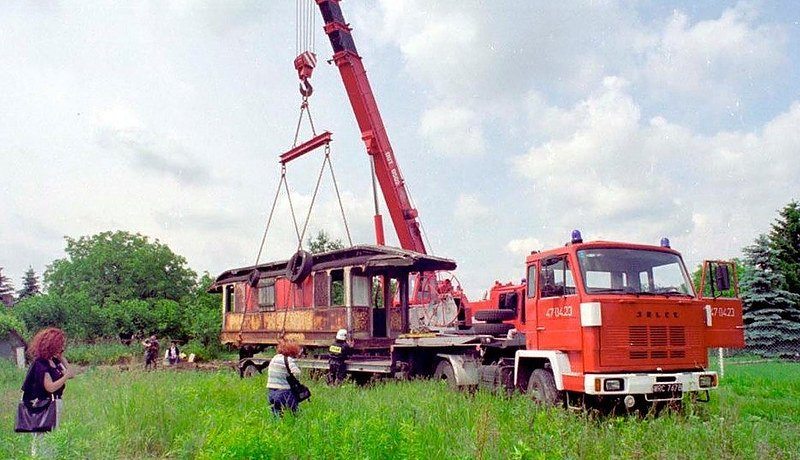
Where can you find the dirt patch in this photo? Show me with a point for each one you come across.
(133, 366)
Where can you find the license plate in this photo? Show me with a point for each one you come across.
(667, 387)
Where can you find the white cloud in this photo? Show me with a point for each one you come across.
(470, 210)
(119, 130)
(523, 247)
(453, 131)
(714, 59)
(622, 178)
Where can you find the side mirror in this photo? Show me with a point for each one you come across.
(722, 278)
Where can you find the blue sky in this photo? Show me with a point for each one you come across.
(513, 123)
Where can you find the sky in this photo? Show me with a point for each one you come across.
(513, 122)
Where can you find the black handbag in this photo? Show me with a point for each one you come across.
(36, 417)
(300, 391)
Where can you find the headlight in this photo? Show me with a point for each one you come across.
(613, 385)
(708, 380)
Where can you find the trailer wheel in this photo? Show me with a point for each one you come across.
(299, 266)
(444, 372)
(493, 316)
(492, 328)
(250, 371)
(542, 388)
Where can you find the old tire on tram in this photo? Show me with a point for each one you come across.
(299, 266)
(493, 316)
(542, 388)
(495, 329)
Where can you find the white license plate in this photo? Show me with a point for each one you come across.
(667, 387)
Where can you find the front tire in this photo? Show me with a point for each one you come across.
(542, 389)
(250, 371)
(444, 372)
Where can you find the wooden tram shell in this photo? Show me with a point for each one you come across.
(343, 291)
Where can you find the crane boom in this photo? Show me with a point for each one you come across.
(373, 133)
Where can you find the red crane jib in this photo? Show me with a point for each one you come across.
(359, 92)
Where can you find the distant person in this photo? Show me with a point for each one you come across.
(173, 354)
(151, 348)
(280, 395)
(338, 352)
(48, 373)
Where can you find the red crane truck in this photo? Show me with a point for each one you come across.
(594, 322)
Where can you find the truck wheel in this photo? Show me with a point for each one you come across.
(493, 316)
(542, 388)
(444, 372)
(250, 371)
(492, 328)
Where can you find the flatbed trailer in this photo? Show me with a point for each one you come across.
(393, 361)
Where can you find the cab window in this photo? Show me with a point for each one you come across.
(555, 278)
(532, 281)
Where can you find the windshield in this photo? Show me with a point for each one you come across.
(633, 271)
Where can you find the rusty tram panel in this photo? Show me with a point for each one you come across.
(345, 290)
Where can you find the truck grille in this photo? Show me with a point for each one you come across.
(651, 341)
(621, 344)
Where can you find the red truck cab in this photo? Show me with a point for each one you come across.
(621, 319)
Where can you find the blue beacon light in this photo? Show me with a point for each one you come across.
(576, 237)
(665, 242)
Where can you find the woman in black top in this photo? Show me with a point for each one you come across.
(49, 371)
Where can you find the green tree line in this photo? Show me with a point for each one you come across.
(119, 285)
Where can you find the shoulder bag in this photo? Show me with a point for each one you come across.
(36, 416)
(300, 391)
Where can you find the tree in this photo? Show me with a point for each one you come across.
(74, 313)
(323, 243)
(202, 315)
(6, 290)
(785, 240)
(771, 316)
(30, 285)
(111, 267)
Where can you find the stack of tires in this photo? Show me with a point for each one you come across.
(492, 322)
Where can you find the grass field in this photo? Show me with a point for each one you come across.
(189, 414)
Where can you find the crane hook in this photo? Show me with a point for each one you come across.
(305, 88)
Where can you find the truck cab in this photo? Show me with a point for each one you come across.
(618, 320)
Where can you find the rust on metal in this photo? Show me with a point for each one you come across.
(339, 294)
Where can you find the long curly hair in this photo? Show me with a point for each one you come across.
(47, 343)
(289, 348)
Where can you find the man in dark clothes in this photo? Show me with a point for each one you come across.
(151, 349)
(337, 354)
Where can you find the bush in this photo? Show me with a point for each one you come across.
(74, 313)
(204, 353)
(10, 323)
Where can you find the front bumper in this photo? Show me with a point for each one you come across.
(643, 384)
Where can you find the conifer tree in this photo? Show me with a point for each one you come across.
(771, 316)
(30, 285)
(6, 290)
(785, 240)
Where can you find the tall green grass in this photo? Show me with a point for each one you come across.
(188, 414)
